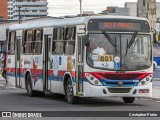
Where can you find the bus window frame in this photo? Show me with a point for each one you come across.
(72, 39)
(58, 41)
(26, 39)
(13, 42)
(37, 41)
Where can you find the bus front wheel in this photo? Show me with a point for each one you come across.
(69, 92)
(128, 99)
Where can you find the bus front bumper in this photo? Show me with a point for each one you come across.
(100, 91)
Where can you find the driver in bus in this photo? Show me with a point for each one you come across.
(90, 45)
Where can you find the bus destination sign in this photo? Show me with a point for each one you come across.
(119, 25)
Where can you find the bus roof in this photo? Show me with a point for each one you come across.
(65, 22)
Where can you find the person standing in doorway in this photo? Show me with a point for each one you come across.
(4, 67)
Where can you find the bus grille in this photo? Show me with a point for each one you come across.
(119, 90)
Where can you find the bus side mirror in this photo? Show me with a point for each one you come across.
(85, 39)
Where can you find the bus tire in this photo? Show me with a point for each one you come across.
(69, 92)
(30, 92)
(40, 93)
(56, 95)
(128, 99)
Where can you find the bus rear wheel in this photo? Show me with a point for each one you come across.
(128, 99)
(29, 86)
(69, 92)
(31, 92)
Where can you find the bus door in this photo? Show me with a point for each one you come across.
(18, 61)
(80, 59)
(46, 63)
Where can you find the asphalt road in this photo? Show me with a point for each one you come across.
(17, 99)
(13, 99)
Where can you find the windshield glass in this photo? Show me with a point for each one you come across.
(119, 51)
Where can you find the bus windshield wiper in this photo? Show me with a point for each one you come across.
(109, 39)
(131, 42)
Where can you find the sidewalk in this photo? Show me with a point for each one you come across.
(156, 79)
(156, 93)
(156, 88)
(3, 84)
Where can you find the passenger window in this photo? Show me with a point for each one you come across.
(28, 42)
(37, 43)
(53, 42)
(58, 42)
(70, 41)
(11, 43)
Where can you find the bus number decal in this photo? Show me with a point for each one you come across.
(105, 58)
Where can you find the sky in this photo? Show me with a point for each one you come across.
(71, 7)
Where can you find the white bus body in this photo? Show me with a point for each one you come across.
(51, 56)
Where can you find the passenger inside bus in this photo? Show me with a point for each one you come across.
(99, 50)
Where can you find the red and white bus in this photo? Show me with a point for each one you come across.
(90, 56)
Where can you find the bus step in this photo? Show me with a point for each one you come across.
(80, 94)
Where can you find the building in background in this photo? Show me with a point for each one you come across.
(158, 26)
(129, 9)
(3, 9)
(132, 7)
(142, 8)
(148, 9)
(86, 13)
(114, 10)
(29, 9)
(158, 10)
(10, 9)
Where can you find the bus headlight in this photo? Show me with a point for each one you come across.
(93, 80)
(145, 81)
(147, 78)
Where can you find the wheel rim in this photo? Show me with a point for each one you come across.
(29, 89)
(69, 90)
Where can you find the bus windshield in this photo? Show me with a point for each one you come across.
(115, 51)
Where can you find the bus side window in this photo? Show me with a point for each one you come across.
(54, 41)
(28, 42)
(70, 41)
(37, 42)
(58, 42)
(11, 43)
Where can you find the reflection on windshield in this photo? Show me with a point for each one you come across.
(102, 54)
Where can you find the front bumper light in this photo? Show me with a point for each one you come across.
(93, 80)
(145, 81)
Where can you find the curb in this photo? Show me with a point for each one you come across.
(155, 98)
(156, 79)
(155, 87)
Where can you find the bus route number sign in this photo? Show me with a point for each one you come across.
(105, 58)
(119, 25)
